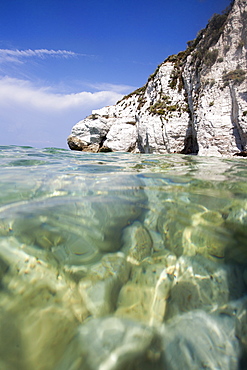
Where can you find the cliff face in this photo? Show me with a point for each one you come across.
(195, 102)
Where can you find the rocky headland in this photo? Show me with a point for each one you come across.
(194, 103)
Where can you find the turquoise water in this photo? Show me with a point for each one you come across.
(122, 261)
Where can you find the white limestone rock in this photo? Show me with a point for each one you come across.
(92, 129)
(194, 103)
(121, 137)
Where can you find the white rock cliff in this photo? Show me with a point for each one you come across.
(194, 103)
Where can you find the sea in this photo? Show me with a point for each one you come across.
(122, 261)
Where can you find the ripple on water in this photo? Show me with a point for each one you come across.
(122, 261)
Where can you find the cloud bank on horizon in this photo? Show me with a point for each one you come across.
(39, 117)
(61, 59)
(28, 111)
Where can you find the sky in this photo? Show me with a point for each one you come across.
(60, 59)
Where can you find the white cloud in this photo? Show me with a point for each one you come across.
(38, 117)
(121, 89)
(17, 56)
(24, 93)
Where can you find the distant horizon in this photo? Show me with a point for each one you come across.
(60, 60)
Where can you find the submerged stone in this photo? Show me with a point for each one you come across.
(207, 235)
(112, 343)
(197, 283)
(197, 340)
(194, 340)
(39, 311)
(100, 288)
(11, 351)
(174, 218)
(137, 243)
(236, 223)
(145, 295)
(72, 231)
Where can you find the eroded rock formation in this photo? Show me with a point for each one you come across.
(194, 103)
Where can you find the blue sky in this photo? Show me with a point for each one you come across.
(59, 59)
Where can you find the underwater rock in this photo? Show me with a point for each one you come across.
(174, 218)
(191, 229)
(100, 288)
(241, 327)
(118, 344)
(236, 223)
(237, 213)
(39, 311)
(137, 243)
(207, 235)
(86, 245)
(194, 340)
(233, 317)
(197, 340)
(3, 268)
(11, 354)
(145, 295)
(72, 230)
(197, 283)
